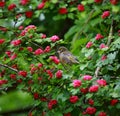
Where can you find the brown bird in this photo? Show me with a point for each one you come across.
(66, 57)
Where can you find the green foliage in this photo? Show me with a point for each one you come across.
(29, 59)
(14, 101)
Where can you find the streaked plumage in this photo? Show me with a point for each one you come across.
(66, 56)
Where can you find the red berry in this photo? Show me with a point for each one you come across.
(102, 114)
(114, 2)
(93, 88)
(3, 82)
(40, 65)
(113, 102)
(22, 73)
(43, 36)
(80, 7)
(30, 49)
(13, 56)
(41, 6)
(87, 77)
(63, 11)
(19, 81)
(38, 51)
(2, 4)
(11, 6)
(55, 59)
(90, 110)
(47, 49)
(99, 36)
(91, 102)
(74, 99)
(21, 48)
(77, 83)
(49, 73)
(98, 1)
(16, 42)
(101, 82)
(54, 38)
(59, 74)
(52, 103)
(36, 96)
(20, 27)
(29, 14)
(13, 76)
(8, 53)
(24, 2)
(84, 90)
(104, 57)
(103, 46)
(105, 14)
(67, 114)
(2, 41)
(4, 29)
(89, 44)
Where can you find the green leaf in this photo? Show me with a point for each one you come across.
(38, 40)
(58, 114)
(115, 8)
(78, 43)
(58, 17)
(89, 52)
(83, 66)
(89, 95)
(75, 91)
(111, 56)
(118, 106)
(71, 31)
(21, 86)
(69, 109)
(54, 1)
(71, 15)
(62, 97)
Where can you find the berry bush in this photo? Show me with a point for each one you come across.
(31, 31)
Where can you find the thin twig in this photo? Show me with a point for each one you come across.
(110, 35)
(3, 89)
(33, 108)
(4, 65)
(35, 44)
(108, 44)
(83, 26)
(97, 71)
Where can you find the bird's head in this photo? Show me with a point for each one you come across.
(62, 49)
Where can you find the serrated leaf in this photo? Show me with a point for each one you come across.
(89, 96)
(89, 52)
(112, 56)
(61, 97)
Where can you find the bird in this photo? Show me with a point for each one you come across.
(66, 57)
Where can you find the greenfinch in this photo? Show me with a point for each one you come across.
(66, 57)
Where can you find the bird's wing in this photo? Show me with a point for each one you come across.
(64, 58)
(70, 57)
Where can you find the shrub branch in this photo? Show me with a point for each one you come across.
(6, 66)
(110, 36)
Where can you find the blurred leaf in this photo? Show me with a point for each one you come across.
(14, 101)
